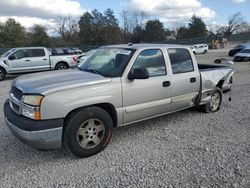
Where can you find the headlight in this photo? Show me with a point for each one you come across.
(31, 107)
(34, 100)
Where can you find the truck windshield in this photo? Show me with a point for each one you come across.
(108, 62)
(8, 52)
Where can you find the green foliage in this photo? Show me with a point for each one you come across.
(196, 28)
(138, 34)
(154, 31)
(99, 29)
(12, 34)
(183, 32)
(38, 36)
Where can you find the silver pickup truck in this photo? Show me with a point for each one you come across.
(116, 86)
(33, 59)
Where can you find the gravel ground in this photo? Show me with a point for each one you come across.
(185, 149)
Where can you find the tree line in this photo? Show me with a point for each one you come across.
(95, 29)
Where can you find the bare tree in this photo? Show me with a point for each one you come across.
(66, 27)
(131, 20)
(234, 24)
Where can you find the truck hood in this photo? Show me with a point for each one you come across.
(2, 59)
(52, 81)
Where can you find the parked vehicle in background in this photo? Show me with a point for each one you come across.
(33, 59)
(77, 50)
(237, 49)
(68, 51)
(243, 55)
(193, 49)
(85, 56)
(116, 86)
(200, 49)
(57, 51)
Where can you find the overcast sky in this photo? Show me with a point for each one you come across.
(28, 12)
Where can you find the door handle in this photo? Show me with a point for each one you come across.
(166, 84)
(192, 80)
(44, 59)
(27, 60)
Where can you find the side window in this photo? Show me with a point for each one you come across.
(153, 61)
(19, 54)
(181, 60)
(37, 53)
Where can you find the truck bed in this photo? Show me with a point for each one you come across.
(212, 76)
(207, 67)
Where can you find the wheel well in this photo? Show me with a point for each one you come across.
(109, 108)
(220, 84)
(3, 70)
(62, 62)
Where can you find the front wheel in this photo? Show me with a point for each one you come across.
(215, 103)
(88, 132)
(205, 51)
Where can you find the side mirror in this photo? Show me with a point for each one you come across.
(12, 57)
(138, 73)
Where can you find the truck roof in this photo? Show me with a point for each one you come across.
(35, 47)
(147, 45)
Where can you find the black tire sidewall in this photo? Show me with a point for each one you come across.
(70, 134)
(61, 64)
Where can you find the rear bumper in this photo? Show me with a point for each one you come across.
(33, 132)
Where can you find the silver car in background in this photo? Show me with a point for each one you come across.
(243, 55)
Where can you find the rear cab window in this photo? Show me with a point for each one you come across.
(181, 60)
(37, 52)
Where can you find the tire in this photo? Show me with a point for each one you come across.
(88, 132)
(215, 103)
(2, 74)
(205, 51)
(247, 59)
(61, 66)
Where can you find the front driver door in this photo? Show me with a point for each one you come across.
(20, 61)
(147, 97)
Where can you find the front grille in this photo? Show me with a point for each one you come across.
(239, 58)
(15, 107)
(18, 94)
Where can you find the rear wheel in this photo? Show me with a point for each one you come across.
(2, 74)
(205, 51)
(247, 59)
(215, 103)
(88, 132)
(61, 66)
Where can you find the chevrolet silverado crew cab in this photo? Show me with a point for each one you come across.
(33, 59)
(116, 86)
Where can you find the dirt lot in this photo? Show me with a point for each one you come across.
(185, 149)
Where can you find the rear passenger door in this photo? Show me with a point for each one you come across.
(185, 78)
(39, 59)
